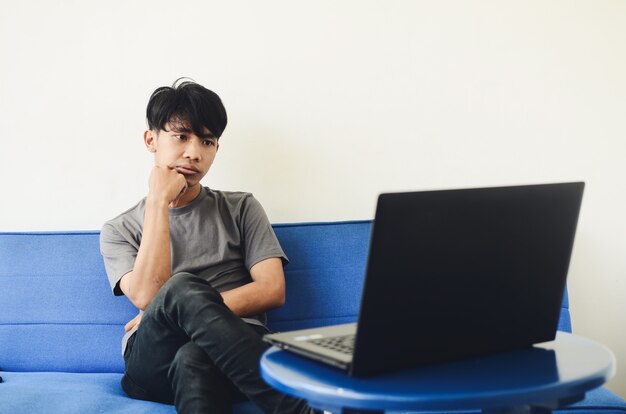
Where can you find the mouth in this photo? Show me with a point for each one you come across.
(187, 169)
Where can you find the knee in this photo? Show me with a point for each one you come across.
(184, 287)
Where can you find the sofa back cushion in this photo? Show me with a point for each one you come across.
(57, 312)
(325, 274)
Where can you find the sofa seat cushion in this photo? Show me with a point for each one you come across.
(78, 393)
(73, 393)
(600, 400)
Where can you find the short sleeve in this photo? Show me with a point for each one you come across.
(119, 255)
(259, 240)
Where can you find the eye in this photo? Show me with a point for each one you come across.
(181, 137)
(208, 142)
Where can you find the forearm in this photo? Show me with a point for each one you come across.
(153, 265)
(254, 298)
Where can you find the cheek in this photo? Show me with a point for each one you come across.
(167, 151)
(209, 157)
(164, 157)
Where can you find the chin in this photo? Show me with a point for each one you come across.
(191, 182)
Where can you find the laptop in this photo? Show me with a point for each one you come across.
(453, 274)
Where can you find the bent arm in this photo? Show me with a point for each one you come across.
(153, 264)
(265, 292)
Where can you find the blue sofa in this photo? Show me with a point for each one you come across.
(60, 326)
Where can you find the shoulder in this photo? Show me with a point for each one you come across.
(241, 206)
(230, 196)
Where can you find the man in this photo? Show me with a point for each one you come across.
(201, 265)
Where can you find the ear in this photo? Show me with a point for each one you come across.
(149, 138)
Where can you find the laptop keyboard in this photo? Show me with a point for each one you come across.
(343, 344)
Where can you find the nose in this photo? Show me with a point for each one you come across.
(193, 149)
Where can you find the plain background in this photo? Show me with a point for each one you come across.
(330, 103)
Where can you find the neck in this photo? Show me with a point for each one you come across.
(187, 197)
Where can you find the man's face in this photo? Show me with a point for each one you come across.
(178, 147)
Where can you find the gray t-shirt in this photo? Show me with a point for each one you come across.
(219, 236)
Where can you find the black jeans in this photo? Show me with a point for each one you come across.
(192, 351)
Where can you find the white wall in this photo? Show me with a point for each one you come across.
(330, 103)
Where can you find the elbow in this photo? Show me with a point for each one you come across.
(143, 298)
(137, 298)
(280, 301)
(141, 303)
(139, 295)
(279, 297)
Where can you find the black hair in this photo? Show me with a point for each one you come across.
(189, 104)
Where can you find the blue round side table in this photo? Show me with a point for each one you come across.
(535, 380)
